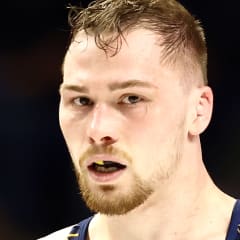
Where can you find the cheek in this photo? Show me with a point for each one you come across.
(149, 130)
(66, 124)
(73, 134)
(148, 148)
(153, 144)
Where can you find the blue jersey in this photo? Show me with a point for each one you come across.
(80, 231)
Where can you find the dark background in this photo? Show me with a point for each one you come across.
(38, 191)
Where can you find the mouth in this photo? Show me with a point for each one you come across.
(106, 167)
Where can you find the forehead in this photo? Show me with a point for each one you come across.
(136, 46)
(138, 40)
(138, 58)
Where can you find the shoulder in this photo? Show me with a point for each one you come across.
(59, 235)
(63, 234)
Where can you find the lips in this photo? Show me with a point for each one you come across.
(105, 168)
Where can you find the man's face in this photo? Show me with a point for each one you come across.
(123, 119)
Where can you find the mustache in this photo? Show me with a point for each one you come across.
(108, 150)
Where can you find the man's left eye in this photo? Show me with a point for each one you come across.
(131, 99)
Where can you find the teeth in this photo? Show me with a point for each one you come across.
(101, 162)
(105, 170)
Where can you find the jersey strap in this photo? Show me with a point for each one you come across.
(234, 226)
(80, 231)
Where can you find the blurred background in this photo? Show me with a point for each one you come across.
(38, 190)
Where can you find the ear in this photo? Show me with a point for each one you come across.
(202, 112)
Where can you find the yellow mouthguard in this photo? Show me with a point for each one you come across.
(100, 162)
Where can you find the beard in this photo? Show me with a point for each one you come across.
(107, 200)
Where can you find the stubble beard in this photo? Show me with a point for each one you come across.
(107, 201)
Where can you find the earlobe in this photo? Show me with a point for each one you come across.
(202, 111)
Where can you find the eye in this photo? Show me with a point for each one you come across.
(131, 99)
(83, 101)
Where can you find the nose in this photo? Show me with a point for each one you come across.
(102, 127)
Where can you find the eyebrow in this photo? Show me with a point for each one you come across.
(130, 83)
(112, 86)
(74, 88)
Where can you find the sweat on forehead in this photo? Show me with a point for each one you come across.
(133, 52)
(139, 36)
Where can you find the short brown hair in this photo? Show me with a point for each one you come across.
(183, 36)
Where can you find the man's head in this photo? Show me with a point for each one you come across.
(133, 100)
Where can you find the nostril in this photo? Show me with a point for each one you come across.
(102, 141)
(91, 140)
(108, 140)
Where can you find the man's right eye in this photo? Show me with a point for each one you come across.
(82, 101)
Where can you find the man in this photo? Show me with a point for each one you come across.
(134, 100)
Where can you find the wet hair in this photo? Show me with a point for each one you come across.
(181, 35)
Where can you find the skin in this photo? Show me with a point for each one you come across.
(158, 132)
